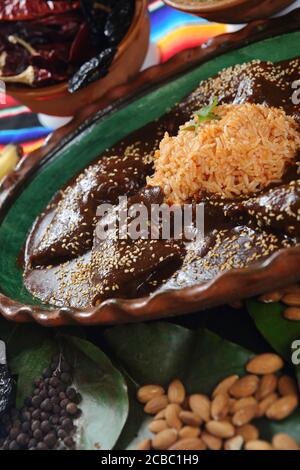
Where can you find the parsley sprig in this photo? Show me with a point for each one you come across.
(204, 114)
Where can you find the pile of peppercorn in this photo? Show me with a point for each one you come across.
(44, 42)
(46, 420)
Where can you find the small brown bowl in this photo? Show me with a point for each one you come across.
(231, 11)
(56, 100)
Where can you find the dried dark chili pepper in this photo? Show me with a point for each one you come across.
(108, 20)
(13, 10)
(118, 21)
(49, 41)
(92, 70)
(6, 381)
(81, 48)
(96, 14)
(45, 31)
(58, 36)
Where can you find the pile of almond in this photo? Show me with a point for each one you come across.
(223, 420)
(290, 296)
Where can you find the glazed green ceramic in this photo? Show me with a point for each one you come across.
(89, 144)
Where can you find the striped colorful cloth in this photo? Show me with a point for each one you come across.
(171, 30)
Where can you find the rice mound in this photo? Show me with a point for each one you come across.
(242, 153)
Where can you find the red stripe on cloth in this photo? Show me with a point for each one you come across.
(7, 101)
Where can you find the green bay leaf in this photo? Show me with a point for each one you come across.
(159, 352)
(279, 332)
(104, 395)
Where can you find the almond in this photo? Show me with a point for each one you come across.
(270, 297)
(243, 403)
(200, 404)
(267, 363)
(244, 387)
(147, 392)
(157, 425)
(144, 445)
(292, 313)
(258, 445)
(248, 432)
(156, 404)
(225, 385)
(172, 416)
(283, 441)
(160, 415)
(244, 415)
(189, 431)
(265, 404)
(292, 300)
(176, 392)
(164, 439)
(220, 407)
(232, 404)
(267, 385)
(221, 429)
(192, 443)
(292, 289)
(287, 386)
(212, 442)
(234, 443)
(190, 418)
(282, 408)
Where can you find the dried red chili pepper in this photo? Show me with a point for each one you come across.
(81, 48)
(14, 10)
(50, 38)
(59, 37)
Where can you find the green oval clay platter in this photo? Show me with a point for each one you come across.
(29, 189)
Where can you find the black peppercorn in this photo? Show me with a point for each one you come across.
(32, 442)
(45, 427)
(64, 403)
(61, 433)
(37, 434)
(36, 414)
(26, 426)
(13, 446)
(36, 401)
(41, 446)
(13, 433)
(50, 440)
(66, 378)
(71, 408)
(46, 405)
(22, 439)
(54, 382)
(69, 442)
(35, 425)
(46, 420)
(67, 424)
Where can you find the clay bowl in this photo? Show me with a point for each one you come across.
(29, 188)
(231, 11)
(56, 100)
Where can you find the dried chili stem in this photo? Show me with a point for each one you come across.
(102, 7)
(26, 77)
(16, 40)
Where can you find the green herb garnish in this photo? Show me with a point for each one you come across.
(204, 114)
